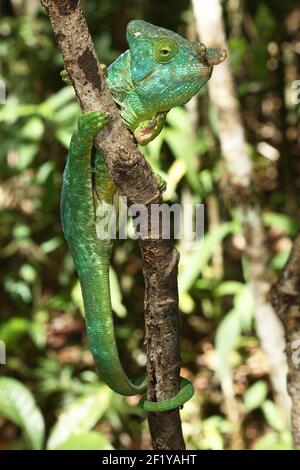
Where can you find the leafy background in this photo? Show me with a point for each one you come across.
(50, 395)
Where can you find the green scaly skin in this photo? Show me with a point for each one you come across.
(159, 71)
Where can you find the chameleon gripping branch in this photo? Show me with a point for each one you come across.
(135, 179)
(154, 53)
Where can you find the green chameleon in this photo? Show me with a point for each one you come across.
(159, 71)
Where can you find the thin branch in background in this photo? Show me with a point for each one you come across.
(285, 297)
(134, 178)
(214, 221)
(238, 189)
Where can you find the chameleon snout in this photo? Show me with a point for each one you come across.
(215, 56)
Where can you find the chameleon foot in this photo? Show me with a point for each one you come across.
(65, 77)
(162, 184)
(91, 123)
(104, 69)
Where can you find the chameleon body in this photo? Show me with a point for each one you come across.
(159, 71)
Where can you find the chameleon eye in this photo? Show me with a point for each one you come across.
(164, 52)
(165, 49)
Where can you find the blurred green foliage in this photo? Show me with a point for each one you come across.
(50, 395)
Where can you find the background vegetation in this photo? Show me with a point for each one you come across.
(50, 395)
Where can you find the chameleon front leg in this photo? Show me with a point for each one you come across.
(146, 131)
(149, 129)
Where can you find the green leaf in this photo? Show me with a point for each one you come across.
(255, 395)
(227, 338)
(89, 441)
(280, 222)
(59, 99)
(12, 330)
(116, 295)
(274, 416)
(228, 288)
(44, 171)
(183, 144)
(280, 259)
(27, 152)
(67, 114)
(212, 430)
(27, 273)
(80, 417)
(32, 130)
(51, 245)
(18, 405)
(273, 441)
(206, 179)
(21, 232)
(194, 261)
(244, 305)
(64, 136)
(76, 296)
(12, 110)
(18, 289)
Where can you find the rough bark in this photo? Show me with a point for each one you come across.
(285, 297)
(135, 180)
(239, 191)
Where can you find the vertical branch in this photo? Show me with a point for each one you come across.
(239, 190)
(285, 297)
(160, 261)
(135, 180)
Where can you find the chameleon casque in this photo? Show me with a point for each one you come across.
(159, 71)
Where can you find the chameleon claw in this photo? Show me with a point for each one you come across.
(104, 69)
(162, 184)
(89, 124)
(65, 77)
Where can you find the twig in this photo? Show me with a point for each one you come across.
(135, 180)
(285, 297)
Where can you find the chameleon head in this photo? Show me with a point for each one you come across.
(165, 68)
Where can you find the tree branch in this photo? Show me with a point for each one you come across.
(134, 178)
(285, 297)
